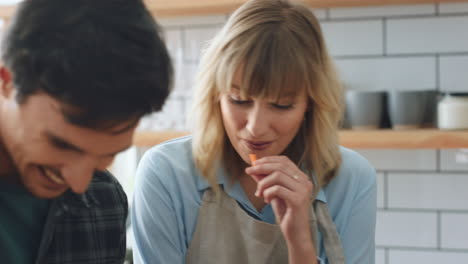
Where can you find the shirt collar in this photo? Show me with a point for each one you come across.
(75, 203)
(221, 177)
(321, 196)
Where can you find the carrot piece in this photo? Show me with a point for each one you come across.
(253, 158)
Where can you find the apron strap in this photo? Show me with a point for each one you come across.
(320, 219)
(331, 239)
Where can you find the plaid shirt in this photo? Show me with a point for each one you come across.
(86, 228)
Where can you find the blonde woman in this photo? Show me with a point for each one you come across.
(266, 87)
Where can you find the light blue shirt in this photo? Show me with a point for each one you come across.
(169, 189)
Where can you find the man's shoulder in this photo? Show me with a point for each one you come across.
(90, 227)
(104, 192)
(105, 189)
(104, 179)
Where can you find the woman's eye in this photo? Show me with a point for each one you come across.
(238, 101)
(283, 106)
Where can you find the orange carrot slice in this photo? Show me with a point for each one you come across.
(253, 158)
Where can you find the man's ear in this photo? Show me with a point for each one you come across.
(6, 85)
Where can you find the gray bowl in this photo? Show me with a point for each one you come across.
(364, 109)
(407, 109)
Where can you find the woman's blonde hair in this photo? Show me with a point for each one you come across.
(278, 46)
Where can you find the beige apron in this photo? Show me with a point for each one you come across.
(226, 234)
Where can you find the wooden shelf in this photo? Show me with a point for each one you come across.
(349, 3)
(164, 8)
(404, 139)
(363, 139)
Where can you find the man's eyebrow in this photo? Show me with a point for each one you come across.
(64, 144)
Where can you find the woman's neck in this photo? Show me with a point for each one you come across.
(250, 186)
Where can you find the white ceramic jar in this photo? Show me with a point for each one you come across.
(452, 111)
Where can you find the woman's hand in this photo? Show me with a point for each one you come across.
(281, 183)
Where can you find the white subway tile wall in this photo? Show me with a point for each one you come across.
(382, 11)
(191, 21)
(381, 199)
(366, 37)
(196, 39)
(388, 73)
(453, 8)
(320, 13)
(452, 78)
(454, 237)
(380, 256)
(406, 229)
(397, 160)
(427, 35)
(426, 256)
(431, 191)
(171, 117)
(454, 160)
(422, 197)
(173, 39)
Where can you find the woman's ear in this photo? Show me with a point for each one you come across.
(6, 85)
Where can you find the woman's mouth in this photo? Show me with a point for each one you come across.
(258, 145)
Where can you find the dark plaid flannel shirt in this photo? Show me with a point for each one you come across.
(86, 228)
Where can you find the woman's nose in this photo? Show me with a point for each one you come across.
(257, 122)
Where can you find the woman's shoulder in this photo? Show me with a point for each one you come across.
(354, 167)
(175, 152)
(181, 146)
(167, 189)
(356, 178)
(169, 163)
(353, 160)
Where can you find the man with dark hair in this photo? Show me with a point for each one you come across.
(77, 77)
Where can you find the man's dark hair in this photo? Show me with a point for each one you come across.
(105, 58)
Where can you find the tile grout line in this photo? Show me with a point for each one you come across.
(437, 72)
(387, 256)
(439, 230)
(385, 37)
(386, 191)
